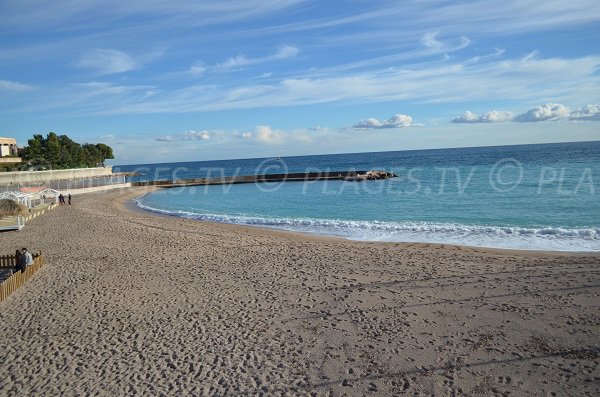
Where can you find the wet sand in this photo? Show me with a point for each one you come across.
(134, 304)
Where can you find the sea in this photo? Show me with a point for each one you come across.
(529, 197)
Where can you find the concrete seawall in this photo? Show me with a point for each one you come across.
(52, 175)
(85, 190)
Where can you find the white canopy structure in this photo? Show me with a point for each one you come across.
(33, 198)
(14, 222)
(29, 199)
(19, 197)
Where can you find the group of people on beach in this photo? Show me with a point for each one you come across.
(61, 199)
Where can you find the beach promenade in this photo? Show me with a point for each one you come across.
(132, 303)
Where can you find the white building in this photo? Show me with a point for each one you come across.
(8, 147)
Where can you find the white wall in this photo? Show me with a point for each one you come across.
(52, 175)
(75, 192)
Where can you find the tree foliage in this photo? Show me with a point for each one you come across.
(60, 152)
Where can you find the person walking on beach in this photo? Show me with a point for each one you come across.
(24, 259)
(69, 198)
(61, 199)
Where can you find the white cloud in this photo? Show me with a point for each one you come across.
(467, 117)
(549, 111)
(6, 85)
(396, 121)
(240, 60)
(167, 138)
(265, 134)
(494, 116)
(523, 79)
(107, 61)
(198, 68)
(588, 112)
(482, 17)
(98, 87)
(429, 40)
(90, 14)
(195, 135)
(446, 83)
(191, 135)
(283, 52)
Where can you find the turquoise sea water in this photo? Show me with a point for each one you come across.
(525, 197)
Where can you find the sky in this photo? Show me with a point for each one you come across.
(203, 80)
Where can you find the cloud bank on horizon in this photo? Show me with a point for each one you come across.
(259, 73)
(396, 121)
(547, 112)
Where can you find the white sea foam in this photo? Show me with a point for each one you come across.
(513, 237)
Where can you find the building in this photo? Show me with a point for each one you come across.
(8, 147)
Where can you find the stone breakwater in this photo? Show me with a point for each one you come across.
(371, 176)
(290, 177)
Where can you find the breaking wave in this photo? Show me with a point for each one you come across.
(511, 237)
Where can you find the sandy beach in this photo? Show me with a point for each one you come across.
(134, 304)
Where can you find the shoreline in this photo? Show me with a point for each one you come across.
(132, 302)
(131, 205)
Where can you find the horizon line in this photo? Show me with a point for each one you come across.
(348, 153)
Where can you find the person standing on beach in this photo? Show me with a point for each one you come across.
(69, 198)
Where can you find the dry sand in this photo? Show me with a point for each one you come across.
(134, 304)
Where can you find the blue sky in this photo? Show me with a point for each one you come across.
(198, 80)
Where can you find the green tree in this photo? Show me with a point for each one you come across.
(62, 152)
(106, 151)
(34, 148)
(53, 149)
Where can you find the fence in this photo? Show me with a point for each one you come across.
(16, 280)
(17, 222)
(66, 184)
